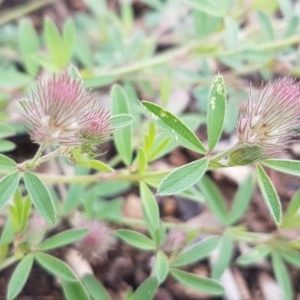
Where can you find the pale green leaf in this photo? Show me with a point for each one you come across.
(173, 127)
(216, 110)
(282, 277)
(183, 177)
(150, 206)
(161, 266)
(270, 195)
(136, 239)
(19, 276)
(123, 136)
(198, 283)
(40, 196)
(213, 198)
(284, 165)
(55, 266)
(8, 186)
(196, 252)
(63, 238)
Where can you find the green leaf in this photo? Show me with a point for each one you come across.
(173, 127)
(63, 238)
(98, 165)
(270, 195)
(123, 136)
(266, 26)
(19, 276)
(291, 256)
(55, 266)
(120, 121)
(146, 290)
(7, 164)
(241, 200)
(6, 130)
(183, 177)
(141, 161)
(216, 110)
(292, 212)
(29, 46)
(282, 277)
(201, 284)
(231, 34)
(161, 266)
(225, 252)
(53, 42)
(8, 186)
(150, 206)
(40, 196)
(95, 288)
(136, 239)
(284, 165)
(196, 252)
(213, 198)
(68, 37)
(216, 8)
(6, 146)
(254, 255)
(75, 290)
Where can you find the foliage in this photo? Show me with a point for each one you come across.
(104, 49)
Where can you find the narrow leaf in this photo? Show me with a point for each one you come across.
(291, 256)
(182, 178)
(146, 290)
(225, 251)
(269, 193)
(63, 238)
(19, 276)
(256, 254)
(136, 239)
(75, 290)
(55, 266)
(8, 186)
(95, 288)
(7, 164)
(213, 198)
(29, 46)
(150, 206)
(196, 252)
(201, 284)
(161, 266)
(241, 200)
(284, 165)
(216, 110)
(120, 121)
(173, 127)
(282, 277)
(122, 137)
(40, 196)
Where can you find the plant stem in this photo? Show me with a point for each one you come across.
(203, 50)
(21, 10)
(100, 177)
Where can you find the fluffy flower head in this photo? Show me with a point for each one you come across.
(99, 240)
(60, 112)
(267, 121)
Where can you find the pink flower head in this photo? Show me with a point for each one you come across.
(175, 240)
(58, 110)
(267, 121)
(99, 240)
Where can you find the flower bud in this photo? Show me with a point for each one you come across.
(95, 245)
(175, 241)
